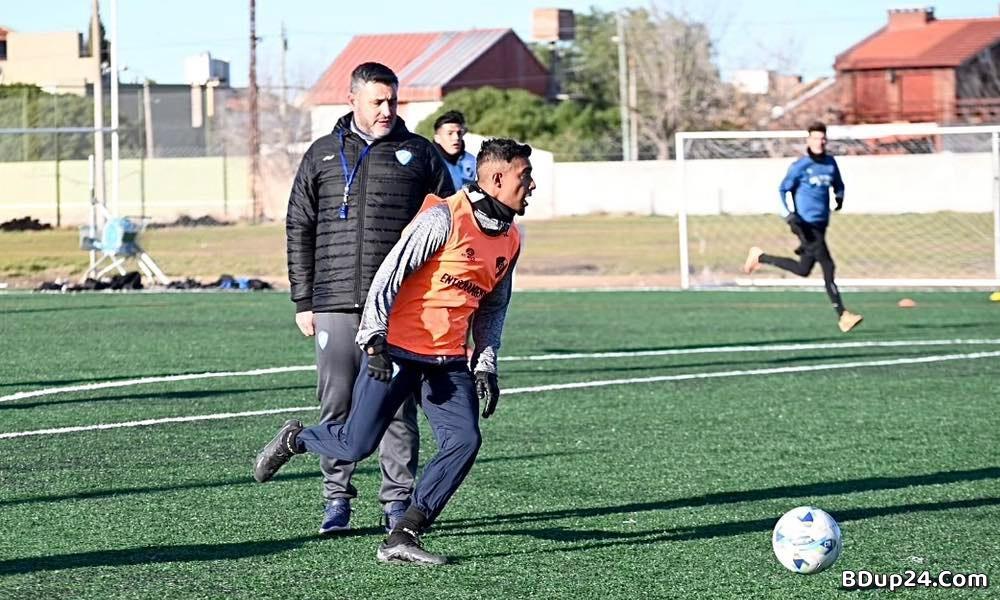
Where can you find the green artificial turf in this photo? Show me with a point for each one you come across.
(635, 490)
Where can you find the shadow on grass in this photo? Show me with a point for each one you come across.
(578, 540)
(808, 490)
(978, 325)
(151, 555)
(366, 468)
(756, 342)
(179, 395)
(76, 308)
(748, 363)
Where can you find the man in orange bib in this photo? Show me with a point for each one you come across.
(450, 270)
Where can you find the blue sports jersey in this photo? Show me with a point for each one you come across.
(809, 179)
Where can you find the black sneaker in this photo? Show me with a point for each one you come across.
(403, 547)
(277, 452)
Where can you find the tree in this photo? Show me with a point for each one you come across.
(679, 87)
(570, 130)
(588, 60)
(88, 43)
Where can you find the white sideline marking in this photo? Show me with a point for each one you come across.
(772, 371)
(144, 380)
(538, 388)
(751, 348)
(537, 357)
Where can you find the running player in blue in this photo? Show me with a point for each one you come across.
(809, 180)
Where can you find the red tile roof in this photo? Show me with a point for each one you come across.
(424, 62)
(945, 43)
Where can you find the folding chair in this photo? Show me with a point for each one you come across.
(118, 242)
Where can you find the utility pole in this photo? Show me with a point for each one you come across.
(95, 51)
(282, 109)
(254, 124)
(147, 118)
(623, 88)
(633, 111)
(115, 147)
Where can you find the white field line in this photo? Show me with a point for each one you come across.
(146, 380)
(752, 348)
(541, 388)
(537, 357)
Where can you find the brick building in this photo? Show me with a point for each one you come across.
(429, 66)
(918, 68)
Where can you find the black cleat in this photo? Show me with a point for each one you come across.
(277, 452)
(403, 547)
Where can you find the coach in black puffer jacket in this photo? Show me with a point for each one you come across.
(331, 261)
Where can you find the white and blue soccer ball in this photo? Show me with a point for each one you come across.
(806, 540)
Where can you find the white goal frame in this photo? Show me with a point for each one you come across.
(845, 132)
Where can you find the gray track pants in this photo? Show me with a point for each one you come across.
(338, 359)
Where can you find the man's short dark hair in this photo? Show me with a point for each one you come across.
(502, 150)
(819, 126)
(452, 116)
(372, 72)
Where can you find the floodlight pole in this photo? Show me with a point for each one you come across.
(996, 204)
(93, 210)
(95, 50)
(623, 87)
(682, 223)
(254, 123)
(115, 157)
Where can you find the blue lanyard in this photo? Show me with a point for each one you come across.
(349, 175)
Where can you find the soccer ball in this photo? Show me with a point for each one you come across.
(806, 540)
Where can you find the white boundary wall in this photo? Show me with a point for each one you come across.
(875, 185)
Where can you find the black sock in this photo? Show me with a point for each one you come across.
(414, 521)
(292, 442)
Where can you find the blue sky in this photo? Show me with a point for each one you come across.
(792, 35)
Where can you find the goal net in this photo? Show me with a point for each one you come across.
(921, 205)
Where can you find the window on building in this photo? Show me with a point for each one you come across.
(3, 49)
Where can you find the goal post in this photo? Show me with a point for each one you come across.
(922, 205)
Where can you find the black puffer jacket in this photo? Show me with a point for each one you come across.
(331, 261)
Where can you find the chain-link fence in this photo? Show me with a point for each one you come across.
(183, 151)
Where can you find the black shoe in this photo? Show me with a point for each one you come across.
(277, 452)
(403, 547)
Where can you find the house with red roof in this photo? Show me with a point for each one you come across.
(919, 68)
(3, 43)
(429, 66)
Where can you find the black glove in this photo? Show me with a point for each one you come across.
(488, 391)
(840, 202)
(379, 363)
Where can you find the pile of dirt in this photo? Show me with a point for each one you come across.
(24, 224)
(186, 221)
(133, 281)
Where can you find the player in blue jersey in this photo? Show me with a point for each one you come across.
(809, 181)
